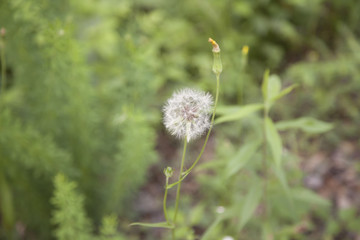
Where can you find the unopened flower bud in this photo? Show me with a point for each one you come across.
(245, 50)
(168, 172)
(217, 65)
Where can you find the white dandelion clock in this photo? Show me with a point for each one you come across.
(187, 113)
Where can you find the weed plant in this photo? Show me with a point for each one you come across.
(186, 115)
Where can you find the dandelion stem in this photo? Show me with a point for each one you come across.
(265, 166)
(211, 126)
(165, 199)
(178, 188)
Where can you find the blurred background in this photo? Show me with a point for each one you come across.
(82, 145)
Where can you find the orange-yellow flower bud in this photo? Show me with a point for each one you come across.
(216, 47)
(245, 50)
(217, 65)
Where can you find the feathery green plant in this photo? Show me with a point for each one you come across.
(70, 216)
(64, 110)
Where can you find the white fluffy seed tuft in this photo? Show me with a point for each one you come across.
(187, 113)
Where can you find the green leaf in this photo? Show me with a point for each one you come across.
(274, 140)
(222, 110)
(285, 92)
(306, 124)
(210, 165)
(274, 87)
(153, 225)
(239, 113)
(264, 87)
(251, 202)
(241, 157)
(309, 196)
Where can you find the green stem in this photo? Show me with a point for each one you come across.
(211, 126)
(241, 82)
(265, 166)
(165, 199)
(3, 66)
(178, 188)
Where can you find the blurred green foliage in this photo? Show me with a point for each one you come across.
(86, 79)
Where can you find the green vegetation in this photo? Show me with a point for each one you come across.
(82, 144)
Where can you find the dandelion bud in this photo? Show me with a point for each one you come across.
(168, 172)
(245, 52)
(187, 113)
(217, 65)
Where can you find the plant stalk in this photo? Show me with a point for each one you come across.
(165, 199)
(264, 163)
(178, 189)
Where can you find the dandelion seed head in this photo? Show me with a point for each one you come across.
(187, 113)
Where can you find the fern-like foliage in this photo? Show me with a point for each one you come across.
(108, 230)
(69, 216)
(71, 105)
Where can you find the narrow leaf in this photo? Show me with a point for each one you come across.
(241, 157)
(222, 110)
(285, 92)
(308, 196)
(240, 113)
(210, 165)
(153, 225)
(306, 124)
(274, 140)
(274, 86)
(251, 202)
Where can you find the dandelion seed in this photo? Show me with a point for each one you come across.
(187, 113)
